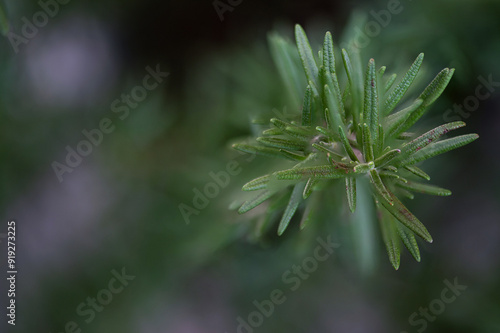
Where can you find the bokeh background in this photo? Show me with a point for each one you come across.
(119, 208)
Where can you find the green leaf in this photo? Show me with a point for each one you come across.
(395, 120)
(440, 148)
(258, 150)
(272, 131)
(387, 158)
(295, 200)
(390, 237)
(347, 145)
(429, 96)
(281, 143)
(285, 57)
(399, 211)
(251, 204)
(257, 184)
(350, 186)
(417, 171)
(424, 188)
(390, 82)
(409, 241)
(292, 156)
(427, 138)
(379, 186)
(306, 55)
(355, 78)
(318, 172)
(309, 188)
(333, 103)
(367, 143)
(397, 94)
(328, 54)
(321, 146)
(370, 111)
(307, 108)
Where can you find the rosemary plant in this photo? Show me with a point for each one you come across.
(351, 131)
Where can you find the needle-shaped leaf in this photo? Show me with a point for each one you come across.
(257, 184)
(347, 145)
(424, 188)
(306, 55)
(418, 172)
(258, 150)
(328, 54)
(293, 156)
(399, 211)
(390, 237)
(326, 148)
(281, 143)
(350, 186)
(379, 186)
(272, 131)
(440, 148)
(295, 200)
(370, 110)
(427, 138)
(333, 105)
(318, 172)
(311, 182)
(400, 90)
(355, 76)
(386, 158)
(307, 107)
(390, 82)
(429, 96)
(252, 203)
(286, 59)
(409, 241)
(367, 143)
(395, 120)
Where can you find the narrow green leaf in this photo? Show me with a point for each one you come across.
(306, 55)
(367, 143)
(347, 145)
(381, 72)
(424, 188)
(272, 131)
(333, 104)
(395, 120)
(390, 82)
(309, 188)
(401, 89)
(310, 212)
(295, 200)
(379, 147)
(390, 237)
(251, 204)
(440, 148)
(399, 211)
(322, 146)
(307, 108)
(257, 184)
(287, 61)
(364, 167)
(258, 150)
(409, 241)
(380, 187)
(325, 131)
(350, 186)
(427, 138)
(417, 171)
(403, 192)
(318, 172)
(386, 158)
(355, 78)
(370, 111)
(328, 54)
(293, 156)
(429, 96)
(281, 143)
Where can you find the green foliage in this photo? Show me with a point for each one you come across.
(350, 131)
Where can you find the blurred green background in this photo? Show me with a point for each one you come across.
(118, 209)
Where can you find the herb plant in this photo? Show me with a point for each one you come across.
(350, 132)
